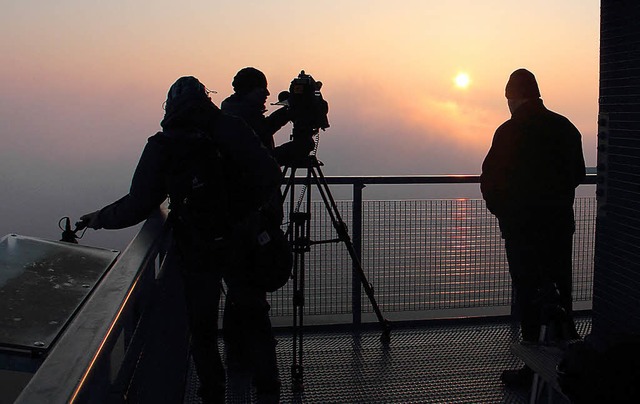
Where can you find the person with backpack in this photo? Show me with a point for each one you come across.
(198, 160)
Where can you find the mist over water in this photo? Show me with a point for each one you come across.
(84, 85)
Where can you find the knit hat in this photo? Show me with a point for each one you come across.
(187, 102)
(522, 84)
(187, 87)
(247, 79)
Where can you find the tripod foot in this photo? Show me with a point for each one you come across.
(296, 378)
(386, 332)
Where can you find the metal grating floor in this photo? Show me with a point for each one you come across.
(445, 362)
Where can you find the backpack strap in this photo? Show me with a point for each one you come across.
(195, 181)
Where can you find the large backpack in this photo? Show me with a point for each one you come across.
(261, 247)
(198, 198)
(213, 223)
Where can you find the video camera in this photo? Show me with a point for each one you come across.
(307, 107)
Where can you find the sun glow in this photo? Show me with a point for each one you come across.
(462, 80)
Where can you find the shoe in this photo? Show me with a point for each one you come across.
(208, 396)
(268, 393)
(517, 378)
(570, 331)
(268, 398)
(236, 359)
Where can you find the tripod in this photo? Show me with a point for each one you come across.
(299, 234)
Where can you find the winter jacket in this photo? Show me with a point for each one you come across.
(531, 171)
(264, 126)
(244, 155)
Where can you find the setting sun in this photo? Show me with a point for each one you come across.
(462, 80)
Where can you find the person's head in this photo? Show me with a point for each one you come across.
(186, 90)
(521, 87)
(187, 99)
(251, 84)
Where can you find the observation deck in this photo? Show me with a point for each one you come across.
(437, 267)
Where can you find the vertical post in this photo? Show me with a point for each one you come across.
(356, 225)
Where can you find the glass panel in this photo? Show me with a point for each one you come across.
(42, 284)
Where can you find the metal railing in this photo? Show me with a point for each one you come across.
(428, 258)
(420, 256)
(130, 333)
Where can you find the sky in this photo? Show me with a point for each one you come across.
(82, 84)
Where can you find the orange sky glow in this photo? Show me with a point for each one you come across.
(83, 82)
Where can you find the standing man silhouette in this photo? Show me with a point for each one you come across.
(528, 181)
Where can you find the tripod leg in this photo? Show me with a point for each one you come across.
(300, 247)
(290, 183)
(343, 234)
(299, 236)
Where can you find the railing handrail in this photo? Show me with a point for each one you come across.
(415, 179)
(73, 358)
(358, 183)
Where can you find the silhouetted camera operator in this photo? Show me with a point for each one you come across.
(303, 105)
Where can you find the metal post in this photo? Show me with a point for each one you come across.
(356, 288)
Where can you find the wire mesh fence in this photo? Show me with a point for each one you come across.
(421, 255)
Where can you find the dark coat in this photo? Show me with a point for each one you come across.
(254, 115)
(242, 150)
(531, 171)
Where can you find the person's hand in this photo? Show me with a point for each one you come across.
(89, 220)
